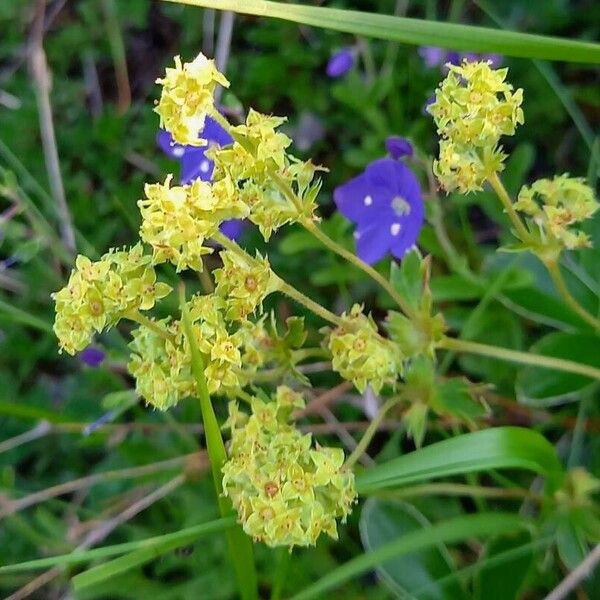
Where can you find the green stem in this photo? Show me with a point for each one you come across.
(371, 430)
(457, 489)
(506, 201)
(138, 317)
(283, 286)
(563, 290)
(239, 544)
(310, 226)
(524, 358)
(281, 571)
(358, 263)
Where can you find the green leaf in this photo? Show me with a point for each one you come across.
(415, 31)
(493, 584)
(450, 288)
(452, 530)
(182, 537)
(496, 448)
(544, 387)
(407, 278)
(159, 546)
(382, 522)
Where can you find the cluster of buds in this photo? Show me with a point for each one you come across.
(244, 283)
(98, 294)
(177, 220)
(187, 97)
(286, 492)
(361, 355)
(474, 107)
(555, 205)
(161, 364)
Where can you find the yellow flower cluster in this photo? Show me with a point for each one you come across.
(243, 283)
(285, 492)
(177, 220)
(257, 155)
(361, 355)
(161, 364)
(474, 107)
(555, 205)
(100, 293)
(187, 97)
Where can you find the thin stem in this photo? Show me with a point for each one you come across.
(575, 577)
(458, 489)
(281, 571)
(357, 262)
(41, 82)
(310, 226)
(563, 290)
(238, 543)
(281, 285)
(305, 301)
(138, 317)
(502, 194)
(524, 358)
(365, 440)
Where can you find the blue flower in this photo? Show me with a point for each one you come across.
(91, 356)
(196, 165)
(438, 57)
(399, 147)
(194, 162)
(386, 205)
(340, 62)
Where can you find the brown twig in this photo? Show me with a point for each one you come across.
(99, 533)
(575, 577)
(41, 83)
(61, 489)
(322, 401)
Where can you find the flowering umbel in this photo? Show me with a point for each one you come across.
(286, 492)
(100, 293)
(474, 107)
(361, 355)
(188, 97)
(555, 205)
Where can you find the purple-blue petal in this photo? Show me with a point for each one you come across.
(340, 63)
(91, 356)
(361, 201)
(398, 147)
(165, 143)
(232, 228)
(213, 132)
(373, 242)
(432, 56)
(196, 165)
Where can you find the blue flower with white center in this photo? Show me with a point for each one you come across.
(340, 62)
(196, 165)
(386, 204)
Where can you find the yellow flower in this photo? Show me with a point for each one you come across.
(474, 107)
(187, 97)
(100, 293)
(555, 205)
(285, 493)
(244, 284)
(361, 355)
(177, 220)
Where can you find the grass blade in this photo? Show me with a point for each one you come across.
(134, 559)
(496, 448)
(415, 31)
(453, 530)
(182, 537)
